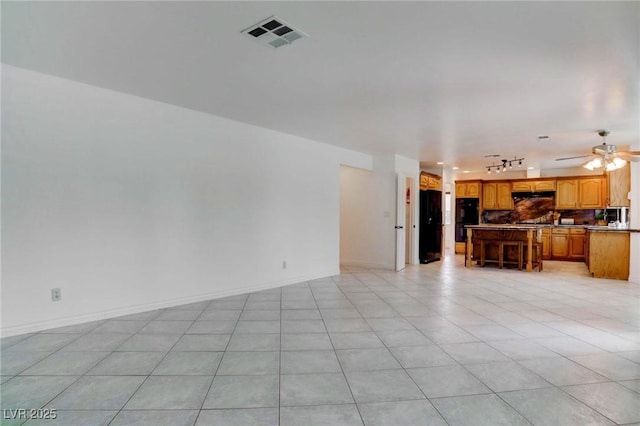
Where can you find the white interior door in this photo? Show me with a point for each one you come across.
(400, 220)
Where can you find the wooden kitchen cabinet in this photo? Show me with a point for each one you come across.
(581, 193)
(609, 254)
(567, 194)
(559, 243)
(497, 196)
(586, 248)
(592, 193)
(576, 244)
(429, 181)
(489, 196)
(533, 185)
(546, 243)
(544, 185)
(521, 186)
(619, 187)
(468, 189)
(567, 243)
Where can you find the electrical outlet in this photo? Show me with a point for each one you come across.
(56, 294)
(284, 264)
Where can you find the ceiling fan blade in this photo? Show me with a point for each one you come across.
(629, 152)
(629, 157)
(571, 158)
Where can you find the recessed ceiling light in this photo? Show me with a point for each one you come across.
(530, 168)
(466, 171)
(455, 168)
(273, 32)
(440, 162)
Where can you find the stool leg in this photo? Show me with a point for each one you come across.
(481, 260)
(520, 255)
(500, 254)
(539, 254)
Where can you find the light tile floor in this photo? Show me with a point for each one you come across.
(434, 344)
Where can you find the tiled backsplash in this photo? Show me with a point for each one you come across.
(580, 217)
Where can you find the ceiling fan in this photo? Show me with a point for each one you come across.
(606, 155)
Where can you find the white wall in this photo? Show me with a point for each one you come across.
(127, 204)
(367, 218)
(368, 211)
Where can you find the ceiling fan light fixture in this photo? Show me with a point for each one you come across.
(595, 163)
(609, 164)
(614, 164)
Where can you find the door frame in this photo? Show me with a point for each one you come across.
(400, 232)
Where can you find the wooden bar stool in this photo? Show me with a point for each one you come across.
(511, 243)
(484, 245)
(537, 246)
(537, 258)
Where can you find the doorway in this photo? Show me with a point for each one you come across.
(409, 221)
(406, 213)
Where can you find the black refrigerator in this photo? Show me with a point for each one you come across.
(430, 226)
(467, 213)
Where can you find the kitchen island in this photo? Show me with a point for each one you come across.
(606, 249)
(607, 254)
(504, 244)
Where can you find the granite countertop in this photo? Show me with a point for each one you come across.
(525, 226)
(607, 229)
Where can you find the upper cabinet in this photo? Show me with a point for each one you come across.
(497, 196)
(468, 189)
(567, 194)
(619, 187)
(533, 185)
(429, 181)
(571, 193)
(581, 193)
(592, 193)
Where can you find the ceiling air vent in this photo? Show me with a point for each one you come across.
(273, 32)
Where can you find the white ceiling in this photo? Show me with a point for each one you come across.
(438, 81)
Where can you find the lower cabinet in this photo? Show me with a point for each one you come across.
(609, 254)
(546, 243)
(568, 244)
(576, 244)
(559, 243)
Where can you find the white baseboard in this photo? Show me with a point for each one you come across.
(634, 279)
(112, 313)
(371, 265)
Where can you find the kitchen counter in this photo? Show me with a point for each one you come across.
(503, 244)
(607, 229)
(608, 252)
(508, 226)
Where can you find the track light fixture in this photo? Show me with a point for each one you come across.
(503, 167)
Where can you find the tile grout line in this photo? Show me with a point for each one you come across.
(150, 373)
(215, 373)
